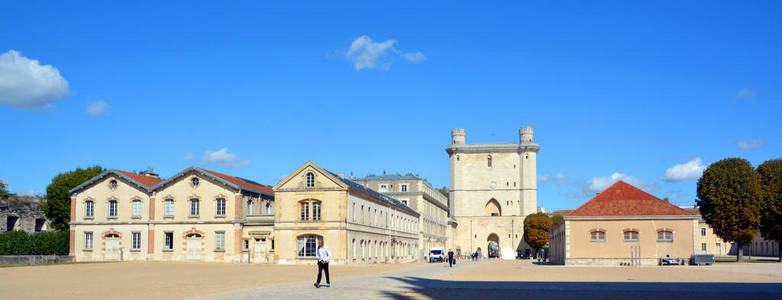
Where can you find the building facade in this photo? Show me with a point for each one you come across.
(624, 225)
(493, 187)
(358, 224)
(419, 195)
(196, 215)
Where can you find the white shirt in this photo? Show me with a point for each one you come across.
(323, 254)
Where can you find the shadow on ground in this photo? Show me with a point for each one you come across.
(442, 289)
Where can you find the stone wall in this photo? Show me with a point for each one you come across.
(22, 213)
(34, 259)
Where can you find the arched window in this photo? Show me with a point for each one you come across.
(665, 235)
(597, 235)
(310, 180)
(631, 235)
(493, 208)
(308, 245)
(309, 210)
(489, 161)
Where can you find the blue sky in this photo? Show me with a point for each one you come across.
(614, 90)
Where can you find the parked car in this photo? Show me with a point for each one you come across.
(436, 254)
(702, 259)
(669, 261)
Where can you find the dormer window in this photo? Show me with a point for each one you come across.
(113, 184)
(194, 181)
(310, 180)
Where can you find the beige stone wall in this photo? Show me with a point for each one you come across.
(356, 227)
(101, 193)
(207, 192)
(579, 247)
(474, 232)
(704, 236)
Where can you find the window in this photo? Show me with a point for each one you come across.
(703, 247)
(631, 235)
(703, 231)
(89, 209)
(194, 209)
(489, 161)
(220, 206)
(252, 207)
(597, 236)
(113, 184)
(169, 243)
(665, 235)
(308, 245)
(383, 188)
(316, 211)
(88, 240)
(169, 207)
(136, 241)
(404, 188)
(220, 240)
(112, 208)
(194, 181)
(137, 208)
(310, 180)
(304, 211)
(404, 202)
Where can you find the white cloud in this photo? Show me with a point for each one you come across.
(751, 144)
(224, 159)
(366, 54)
(745, 93)
(189, 156)
(544, 178)
(596, 185)
(98, 108)
(691, 170)
(26, 84)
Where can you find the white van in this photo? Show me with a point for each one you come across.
(436, 254)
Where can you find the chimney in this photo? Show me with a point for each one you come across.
(149, 172)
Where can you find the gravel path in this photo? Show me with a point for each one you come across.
(438, 281)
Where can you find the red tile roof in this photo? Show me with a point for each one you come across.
(623, 199)
(242, 182)
(149, 181)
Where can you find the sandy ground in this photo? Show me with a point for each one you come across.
(524, 270)
(160, 280)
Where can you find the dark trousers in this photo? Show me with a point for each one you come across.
(450, 261)
(321, 268)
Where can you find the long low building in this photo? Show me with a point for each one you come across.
(624, 225)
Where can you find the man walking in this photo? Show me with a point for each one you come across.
(323, 255)
(450, 258)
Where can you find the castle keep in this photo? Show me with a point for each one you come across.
(493, 187)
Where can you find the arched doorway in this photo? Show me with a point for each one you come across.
(193, 246)
(493, 245)
(112, 246)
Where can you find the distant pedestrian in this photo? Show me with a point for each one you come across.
(323, 255)
(450, 258)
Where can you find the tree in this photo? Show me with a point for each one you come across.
(536, 228)
(730, 200)
(771, 219)
(58, 199)
(3, 191)
(555, 219)
(444, 191)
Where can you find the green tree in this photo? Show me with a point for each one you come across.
(771, 219)
(730, 200)
(3, 191)
(555, 219)
(58, 199)
(536, 228)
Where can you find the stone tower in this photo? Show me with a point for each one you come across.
(493, 187)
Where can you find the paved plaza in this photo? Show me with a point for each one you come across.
(467, 280)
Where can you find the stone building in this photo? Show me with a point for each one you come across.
(624, 225)
(22, 213)
(358, 224)
(418, 194)
(197, 215)
(493, 187)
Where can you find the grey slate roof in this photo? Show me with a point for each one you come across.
(375, 194)
(389, 177)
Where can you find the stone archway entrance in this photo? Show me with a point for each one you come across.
(493, 245)
(193, 244)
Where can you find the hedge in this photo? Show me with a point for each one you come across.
(40, 243)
